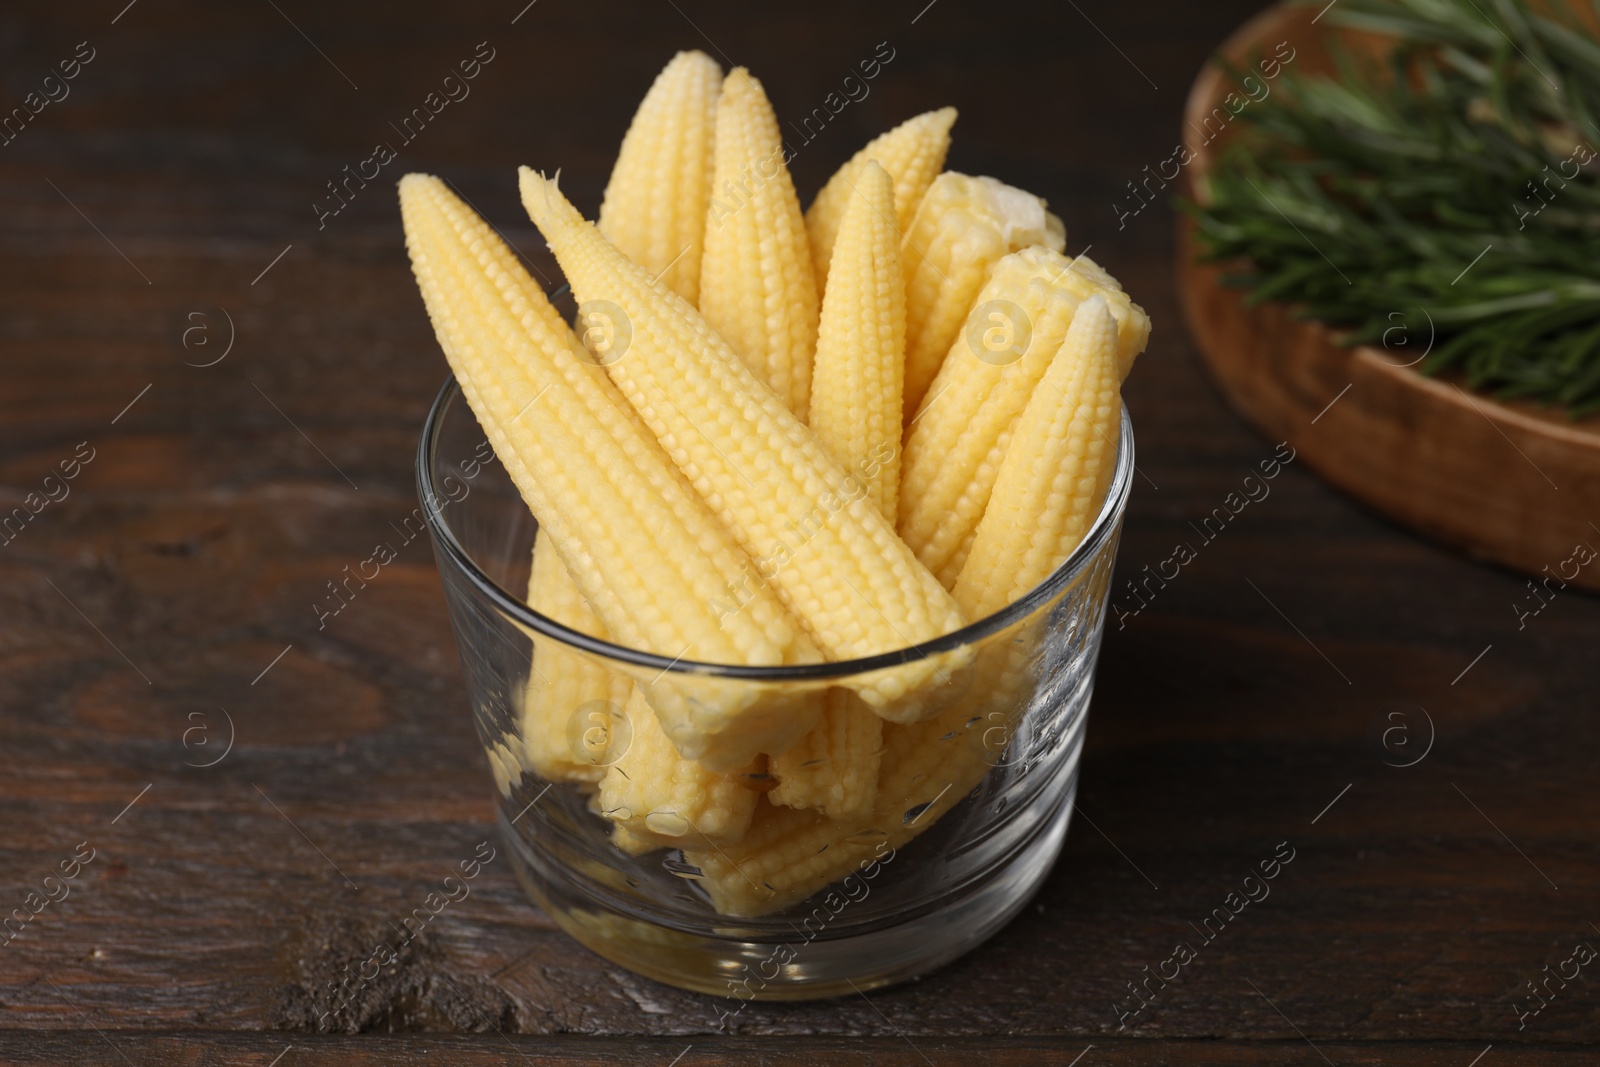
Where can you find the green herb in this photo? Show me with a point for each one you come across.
(1452, 182)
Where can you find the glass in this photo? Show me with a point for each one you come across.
(1018, 705)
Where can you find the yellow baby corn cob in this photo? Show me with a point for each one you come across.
(834, 768)
(1054, 477)
(664, 800)
(855, 410)
(655, 203)
(961, 228)
(855, 413)
(570, 697)
(955, 442)
(757, 288)
(789, 854)
(647, 554)
(832, 557)
(913, 154)
(927, 768)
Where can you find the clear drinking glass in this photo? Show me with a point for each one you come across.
(1016, 715)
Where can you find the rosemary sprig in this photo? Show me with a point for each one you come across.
(1454, 183)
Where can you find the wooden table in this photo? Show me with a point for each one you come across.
(250, 386)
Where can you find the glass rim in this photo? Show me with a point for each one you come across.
(461, 561)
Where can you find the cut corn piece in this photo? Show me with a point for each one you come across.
(647, 554)
(962, 227)
(913, 154)
(1054, 477)
(861, 343)
(571, 700)
(955, 442)
(832, 557)
(757, 288)
(834, 768)
(655, 202)
(662, 799)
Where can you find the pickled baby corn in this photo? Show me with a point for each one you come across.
(1055, 474)
(788, 854)
(927, 768)
(913, 154)
(646, 553)
(655, 203)
(801, 436)
(961, 229)
(834, 767)
(569, 697)
(834, 560)
(955, 442)
(757, 288)
(663, 800)
(855, 413)
(862, 342)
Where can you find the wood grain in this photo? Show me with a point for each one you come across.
(192, 548)
(501, 1050)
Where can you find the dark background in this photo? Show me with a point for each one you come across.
(135, 613)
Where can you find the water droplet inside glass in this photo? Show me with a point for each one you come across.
(913, 812)
(666, 823)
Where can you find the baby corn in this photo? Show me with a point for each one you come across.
(1055, 474)
(647, 554)
(787, 437)
(664, 800)
(913, 154)
(655, 203)
(834, 768)
(955, 442)
(571, 699)
(833, 558)
(961, 228)
(757, 288)
(927, 768)
(861, 343)
(855, 413)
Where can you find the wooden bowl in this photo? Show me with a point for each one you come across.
(1513, 483)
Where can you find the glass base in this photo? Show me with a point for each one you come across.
(839, 960)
